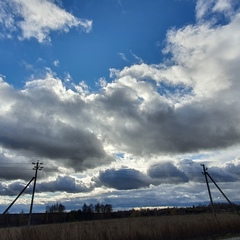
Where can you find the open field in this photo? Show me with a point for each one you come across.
(202, 226)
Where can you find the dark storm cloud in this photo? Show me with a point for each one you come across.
(119, 101)
(48, 121)
(160, 174)
(166, 172)
(220, 175)
(58, 141)
(17, 167)
(14, 188)
(39, 124)
(207, 125)
(204, 115)
(11, 169)
(123, 179)
(162, 128)
(60, 184)
(15, 172)
(194, 171)
(63, 184)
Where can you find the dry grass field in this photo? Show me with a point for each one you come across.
(202, 226)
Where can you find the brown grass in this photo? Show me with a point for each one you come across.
(139, 228)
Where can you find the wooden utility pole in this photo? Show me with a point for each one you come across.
(18, 196)
(223, 194)
(36, 168)
(209, 192)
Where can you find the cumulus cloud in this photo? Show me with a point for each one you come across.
(166, 172)
(123, 179)
(60, 184)
(143, 122)
(186, 104)
(204, 9)
(162, 173)
(36, 19)
(232, 166)
(63, 184)
(219, 175)
(37, 122)
(12, 189)
(193, 171)
(11, 171)
(56, 63)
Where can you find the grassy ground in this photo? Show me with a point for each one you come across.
(200, 226)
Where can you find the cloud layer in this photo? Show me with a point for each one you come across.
(187, 105)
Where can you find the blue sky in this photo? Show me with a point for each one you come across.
(119, 99)
(122, 32)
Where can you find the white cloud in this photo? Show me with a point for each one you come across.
(123, 56)
(56, 63)
(205, 9)
(223, 6)
(102, 82)
(6, 20)
(36, 19)
(67, 77)
(202, 7)
(204, 59)
(137, 58)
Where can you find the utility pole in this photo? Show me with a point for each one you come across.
(18, 196)
(209, 192)
(223, 194)
(36, 168)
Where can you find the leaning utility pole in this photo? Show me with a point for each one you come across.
(223, 194)
(36, 168)
(209, 192)
(18, 196)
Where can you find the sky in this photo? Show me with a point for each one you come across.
(121, 100)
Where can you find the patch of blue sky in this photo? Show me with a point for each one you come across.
(167, 90)
(120, 155)
(200, 157)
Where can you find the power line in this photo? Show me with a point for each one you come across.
(14, 162)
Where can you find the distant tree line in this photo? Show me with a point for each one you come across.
(86, 208)
(56, 213)
(98, 208)
(55, 208)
